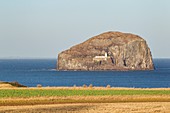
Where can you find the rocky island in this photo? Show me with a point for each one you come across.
(108, 51)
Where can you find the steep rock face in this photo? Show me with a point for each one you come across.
(108, 51)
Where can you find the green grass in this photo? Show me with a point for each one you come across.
(11, 93)
(33, 96)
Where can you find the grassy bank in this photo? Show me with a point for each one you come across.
(10, 85)
(13, 93)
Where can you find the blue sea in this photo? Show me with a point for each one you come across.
(31, 72)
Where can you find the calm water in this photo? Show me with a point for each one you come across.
(33, 72)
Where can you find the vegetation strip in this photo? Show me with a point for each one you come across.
(14, 93)
(38, 96)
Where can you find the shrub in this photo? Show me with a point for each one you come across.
(39, 85)
(108, 86)
(74, 86)
(84, 86)
(91, 86)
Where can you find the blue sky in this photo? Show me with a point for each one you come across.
(43, 28)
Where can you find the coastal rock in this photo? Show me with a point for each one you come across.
(108, 51)
(10, 84)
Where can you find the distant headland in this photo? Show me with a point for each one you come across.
(108, 51)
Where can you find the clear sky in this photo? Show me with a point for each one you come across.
(43, 28)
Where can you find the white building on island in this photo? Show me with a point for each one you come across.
(100, 58)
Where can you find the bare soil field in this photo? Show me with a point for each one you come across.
(143, 107)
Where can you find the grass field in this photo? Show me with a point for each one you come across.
(36, 96)
(11, 93)
(80, 100)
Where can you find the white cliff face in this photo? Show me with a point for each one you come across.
(124, 52)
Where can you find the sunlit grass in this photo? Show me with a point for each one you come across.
(35, 96)
(10, 93)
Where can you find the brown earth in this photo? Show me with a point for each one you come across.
(144, 107)
(119, 51)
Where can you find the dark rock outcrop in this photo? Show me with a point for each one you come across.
(108, 51)
(10, 84)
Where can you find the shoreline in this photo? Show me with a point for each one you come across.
(82, 88)
(16, 85)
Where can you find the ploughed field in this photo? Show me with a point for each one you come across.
(145, 107)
